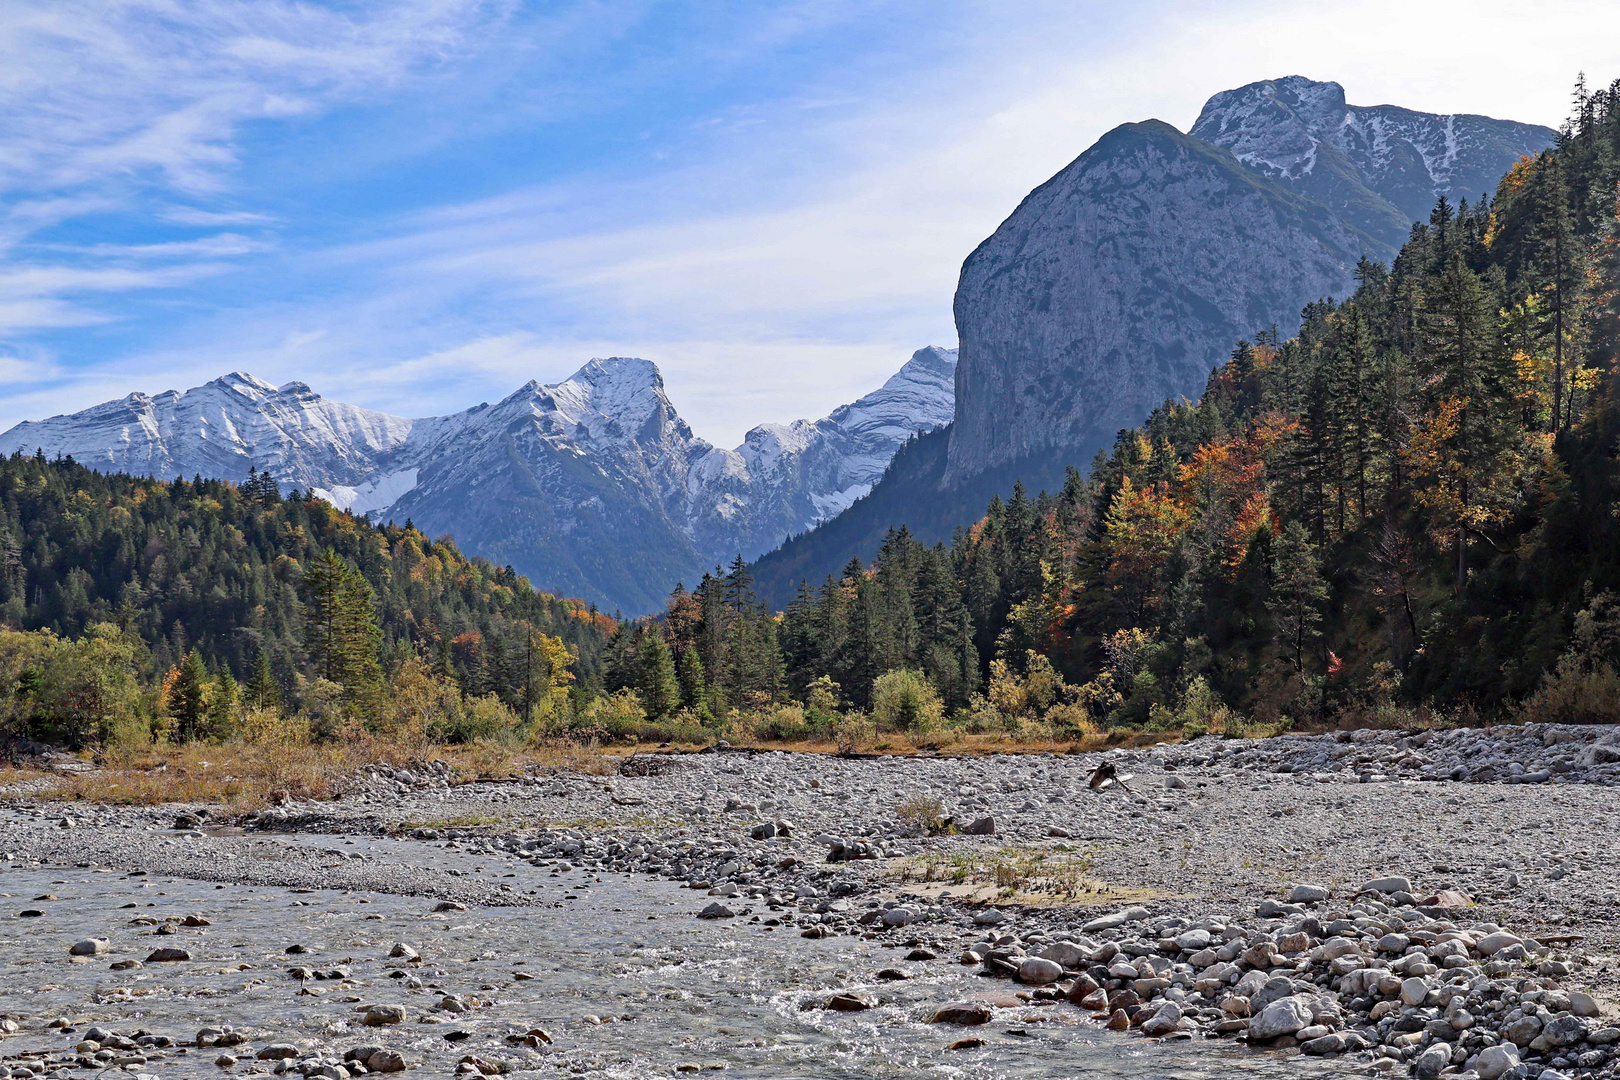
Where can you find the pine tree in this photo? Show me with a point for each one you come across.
(340, 627)
(1298, 594)
(188, 698)
(657, 686)
(262, 691)
(222, 701)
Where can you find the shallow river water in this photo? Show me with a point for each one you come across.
(619, 973)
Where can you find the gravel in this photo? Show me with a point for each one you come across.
(1462, 881)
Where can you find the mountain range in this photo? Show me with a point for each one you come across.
(1126, 278)
(1118, 283)
(593, 487)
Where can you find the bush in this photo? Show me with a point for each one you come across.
(854, 733)
(617, 715)
(1575, 692)
(902, 700)
(783, 723)
(923, 814)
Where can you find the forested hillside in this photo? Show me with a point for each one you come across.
(225, 570)
(1412, 503)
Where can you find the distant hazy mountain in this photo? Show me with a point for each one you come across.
(593, 487)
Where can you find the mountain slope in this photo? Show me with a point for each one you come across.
(594, 486)
(1123, 280)
(1380, 167)
(1128, 276)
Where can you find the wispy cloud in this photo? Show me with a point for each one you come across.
(211, 219)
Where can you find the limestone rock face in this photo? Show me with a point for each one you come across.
(1125, 278)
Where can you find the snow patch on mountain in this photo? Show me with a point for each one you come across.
(553, 468)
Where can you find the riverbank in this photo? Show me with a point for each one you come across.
(1203, 849)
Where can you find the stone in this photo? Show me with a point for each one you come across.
(1066, 953)
(1164, 1021)
(1307, 894)
(1494, 1061)
(849, 1003)
(966, 1044)
(965, 1013)
(1115, 919)
(386, 1061)
(1282, 1017)
(1523, 1031)
(167, 956)
(990, 917)
(1565, 1030)
(1039, 971)
(1491, 944)
(91, 947)
(983, 826)
(1432, 1061)
(1582, 1004)
(1387, 885)
(717, 910)
(1331, 1043)
(1414, 991)
(378, 1015)
(898, 916)
(1193, 940)
(449, 905)
(765, 830)
(278, 1052)
(402, 951)
(225, 1061)
(1274, 989)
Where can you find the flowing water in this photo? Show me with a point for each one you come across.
(618, 972)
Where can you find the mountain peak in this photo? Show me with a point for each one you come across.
(243, 382)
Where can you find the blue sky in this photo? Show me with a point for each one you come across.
(419, 205)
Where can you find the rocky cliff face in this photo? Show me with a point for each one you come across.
(594, 487)
(1121, 281)
(1125, 278)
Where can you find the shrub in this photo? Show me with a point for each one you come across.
(922, 814)
(853, 733)
(1574, 692)
(902, 700)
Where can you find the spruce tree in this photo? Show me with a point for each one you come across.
(1298, 594)
(188, 698)
(262, 691)
(657, 686)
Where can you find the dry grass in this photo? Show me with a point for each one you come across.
(246, 775)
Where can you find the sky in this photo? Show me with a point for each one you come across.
(420, 205)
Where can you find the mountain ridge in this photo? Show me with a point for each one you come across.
(551, 479)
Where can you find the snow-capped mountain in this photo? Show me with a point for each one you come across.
(1380, 166)
(593, 486)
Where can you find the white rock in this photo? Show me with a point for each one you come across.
(1491, 944)
(1282, 1017)
(1493, 1061)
